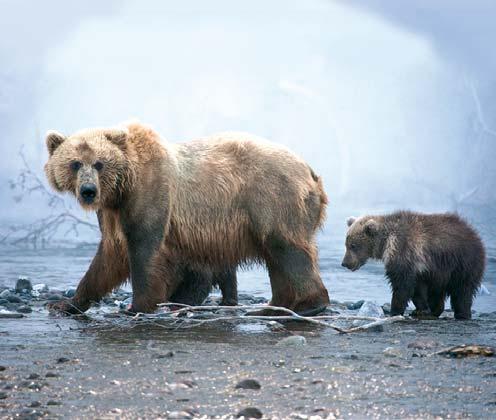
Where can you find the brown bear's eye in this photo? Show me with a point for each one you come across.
(353, 247)
(98, 166)
(75, 166)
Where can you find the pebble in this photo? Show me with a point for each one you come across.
(4, 294)
(250, 413)
(54, 296)
(53, 402)
(3, 395)
(34, 404)
(33, 376)
(22, 284)
(386, 308)
(2, 368)
(293, 340)
(63, 360)
(51, 375)
(179, 415)
(3, 301)
(248, 384)
(70, 293)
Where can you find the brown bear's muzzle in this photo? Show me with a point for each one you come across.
(88, 192)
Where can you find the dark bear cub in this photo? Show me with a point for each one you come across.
(427, 258)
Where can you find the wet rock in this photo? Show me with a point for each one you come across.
(34, 404)
(392, 352)
(423, 344)
(248, 384)
(9, 314)
(69, 293)
(33, 376)
(63, 360)
(3, 395)
(371, 309)
(2, 368)
(23, 284)
(4, 294)
(3, 301)
(386, 308)
(51, 375)
(14, 299)
(38, 289)
(54, 297)
(24, 309)
(293, 340)
(250, 413)
(355, 305)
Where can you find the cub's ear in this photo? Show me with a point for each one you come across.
(53, 140)
(350, 221)
(118, 136)
(371, 227)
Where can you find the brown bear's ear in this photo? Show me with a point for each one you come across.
(350, 221)
(371, 227)
(118, 136)
(53, 140)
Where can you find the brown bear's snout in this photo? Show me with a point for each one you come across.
(88, 192)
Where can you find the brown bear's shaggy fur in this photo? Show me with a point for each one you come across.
(169, 212)
(427, 257)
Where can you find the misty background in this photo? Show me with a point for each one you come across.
(392, 103)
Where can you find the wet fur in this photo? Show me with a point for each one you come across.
(427, 257)
(174, 215)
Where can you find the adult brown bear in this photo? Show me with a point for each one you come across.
(169, 212)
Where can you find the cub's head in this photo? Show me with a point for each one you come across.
(90, 164)
(361, 240)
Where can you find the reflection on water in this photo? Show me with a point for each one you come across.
(62, 268)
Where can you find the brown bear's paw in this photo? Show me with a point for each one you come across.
(228, 302)
(425, 315)
(64, 307)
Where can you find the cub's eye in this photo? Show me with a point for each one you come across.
(98, 165)
(75, 166)
(354, 247)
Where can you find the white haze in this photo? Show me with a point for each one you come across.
(371, 102)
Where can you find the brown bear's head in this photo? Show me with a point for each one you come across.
(91, 164)
(361, 241)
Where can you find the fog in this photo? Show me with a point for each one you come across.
(393, 106)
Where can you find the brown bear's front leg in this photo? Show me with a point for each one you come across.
(108, 270)
(403, 285)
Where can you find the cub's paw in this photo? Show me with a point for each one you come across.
(64, 307)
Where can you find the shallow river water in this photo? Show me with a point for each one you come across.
(76, 368)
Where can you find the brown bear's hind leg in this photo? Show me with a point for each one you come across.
(194, 288)
(420, 300)
(295, 280)
(403, 285)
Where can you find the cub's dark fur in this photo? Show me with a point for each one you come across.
(427, 258)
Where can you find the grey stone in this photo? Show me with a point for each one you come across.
(4, 294)
(371, 309)
(14, 299)
(70, 292)
(250, 413)
(248, 384)
(24, 309)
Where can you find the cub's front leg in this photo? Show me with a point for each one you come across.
(403, 287)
